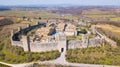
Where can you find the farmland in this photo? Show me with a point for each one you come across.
(110, 31)
(99, 13)
(32, 13)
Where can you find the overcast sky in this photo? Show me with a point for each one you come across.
(72, 2)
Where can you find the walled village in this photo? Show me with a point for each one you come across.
(57, 34)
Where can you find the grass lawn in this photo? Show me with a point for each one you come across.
(79, 37)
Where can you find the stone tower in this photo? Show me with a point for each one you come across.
(85, 40)
(26, 45)
(75, 33)
(93, 29)
(61, 39)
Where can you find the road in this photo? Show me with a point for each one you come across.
(61, 60)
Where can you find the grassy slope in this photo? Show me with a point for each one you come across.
(96, 55)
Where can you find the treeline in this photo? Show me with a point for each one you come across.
(109, 22)
(5, 21)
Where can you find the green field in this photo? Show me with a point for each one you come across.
(100, 16)
(97, 13)
(79, 37)
(30, 13)
(115, 19)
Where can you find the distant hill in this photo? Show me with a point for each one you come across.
(3, 8)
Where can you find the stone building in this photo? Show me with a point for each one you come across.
(68, 28)
(60, 27)
(45, 33)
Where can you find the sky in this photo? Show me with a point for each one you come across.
(55, 2)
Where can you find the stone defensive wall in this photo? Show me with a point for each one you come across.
(25, 41)
(108, 40)
(111, 42)
(75, 44)
(27, 45)
(37, 47)
(42, 47)
(17, 43)
(24, 30)
(93, 42)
